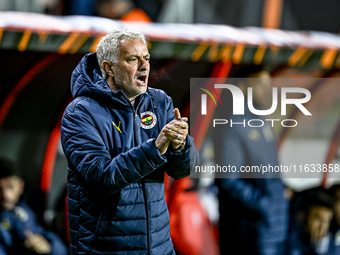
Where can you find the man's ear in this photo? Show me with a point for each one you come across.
(108, 67)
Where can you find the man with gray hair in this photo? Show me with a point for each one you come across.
(119, 137)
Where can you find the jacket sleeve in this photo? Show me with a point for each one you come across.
(87, 154)
(183, 163)
(2, 248)
(57, 245)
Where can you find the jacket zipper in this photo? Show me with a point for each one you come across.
(138, 141)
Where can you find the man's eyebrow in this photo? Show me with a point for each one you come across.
(137, 56)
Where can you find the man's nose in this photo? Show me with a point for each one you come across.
(143, 64)
(323, 226)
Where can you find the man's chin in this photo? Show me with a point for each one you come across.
(137, 93)
(142, 90)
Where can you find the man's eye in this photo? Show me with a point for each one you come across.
(133, 59)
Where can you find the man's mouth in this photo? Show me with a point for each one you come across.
(141, 79)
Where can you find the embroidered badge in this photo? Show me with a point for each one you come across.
(149, 120)
(21, 213)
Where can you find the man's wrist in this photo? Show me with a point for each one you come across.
(180, 148)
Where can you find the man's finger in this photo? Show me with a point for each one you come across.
(174, 136)
(177, 126)
(177, 114)
(27, 233)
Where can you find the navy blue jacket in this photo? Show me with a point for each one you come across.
(116, 199)
(253, 211)
(14, 223)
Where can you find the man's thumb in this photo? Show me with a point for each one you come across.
(177, 114)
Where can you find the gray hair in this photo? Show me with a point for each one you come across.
(108, 47)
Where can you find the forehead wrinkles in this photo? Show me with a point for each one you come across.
(9, 181)
(127, 47)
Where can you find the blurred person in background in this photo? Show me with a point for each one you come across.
(20, 232)
(334, 191)
(78, 7)
(38, 6)
(124, 10)
(253, 211)
(312, 234)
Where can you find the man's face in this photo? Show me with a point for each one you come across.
(11, 189)
(132, 71)
(318, 221)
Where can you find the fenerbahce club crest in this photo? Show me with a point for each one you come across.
(149, 120)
